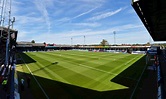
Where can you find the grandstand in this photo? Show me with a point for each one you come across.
(28, 46)
(7, 61)
(152, 14)
(124, 73)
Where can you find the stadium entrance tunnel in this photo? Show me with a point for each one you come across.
(125, 83)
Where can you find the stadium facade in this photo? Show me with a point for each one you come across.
(28, 46)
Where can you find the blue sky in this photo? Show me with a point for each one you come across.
(57, 21)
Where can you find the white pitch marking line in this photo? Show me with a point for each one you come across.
(105, 71)
(35, 78)
(137, 83)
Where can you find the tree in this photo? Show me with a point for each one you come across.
(33, 41)
(104, 42)
(148, 44)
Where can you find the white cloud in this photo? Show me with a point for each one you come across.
(23, 35)
(15, 2)
(87, 24)
(28, 20)
(133, 37)
(56, 21)
(65, 19)
(43, 10)
(92, 1)
(60, 37)
(85, 12)
(104, 15)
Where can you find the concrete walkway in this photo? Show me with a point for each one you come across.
(149, 86)
(27, 93)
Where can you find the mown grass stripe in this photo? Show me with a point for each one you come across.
(96, 56)
(89, 61)
(129, 78)
(35, 79)
(105, 71)
(126, 64)
(70, 60)
(111, 70)
(69, 69)
(84, 75)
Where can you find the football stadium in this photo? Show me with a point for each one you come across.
(30, 70)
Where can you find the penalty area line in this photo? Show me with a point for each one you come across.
(35, 78)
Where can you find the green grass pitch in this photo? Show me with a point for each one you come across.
(78, 74)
